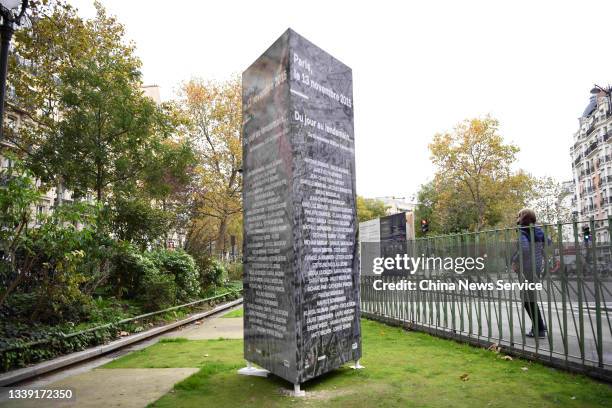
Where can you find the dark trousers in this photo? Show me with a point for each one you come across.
(534, 313)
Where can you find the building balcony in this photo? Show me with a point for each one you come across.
(577, 160)
(603, 117)
(592, 147)
(590, 129)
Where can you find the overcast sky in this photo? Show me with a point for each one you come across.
(418, 68)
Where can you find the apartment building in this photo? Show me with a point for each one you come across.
(51, 197)
(591, 156)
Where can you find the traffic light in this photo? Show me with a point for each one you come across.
(586, 233)
(424, 226)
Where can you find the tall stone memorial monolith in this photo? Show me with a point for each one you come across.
(301, 282)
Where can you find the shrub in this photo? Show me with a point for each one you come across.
(181, 266)
(105, 310)
(214, 275)
(128, 270)
(235, 271)
(58, 263)
(159, 291)
(137, 221)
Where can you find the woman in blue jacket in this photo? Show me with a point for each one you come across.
(526, 218)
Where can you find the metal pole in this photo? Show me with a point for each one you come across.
(6, 33)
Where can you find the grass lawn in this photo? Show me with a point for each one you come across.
(235, 313)
(402, 369)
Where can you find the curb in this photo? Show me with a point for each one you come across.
(26, 373)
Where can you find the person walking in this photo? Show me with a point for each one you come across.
(526, 220)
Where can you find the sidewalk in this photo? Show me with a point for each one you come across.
(131, 387)
(215, 328)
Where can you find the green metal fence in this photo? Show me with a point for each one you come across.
(572, 266)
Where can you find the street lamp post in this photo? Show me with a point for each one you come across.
(12, 12)
(607, 91)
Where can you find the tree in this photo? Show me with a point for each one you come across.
(547, 201)
(474, 184)
(136, 221)
(370, 208)
(107, 132)
(79, 84)
(18, 195)
(40, 55)
(427, 199)
(215, 112)
(58, 263)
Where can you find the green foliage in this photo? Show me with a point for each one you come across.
(158, 291)
(24, 344)
(62, 255)
(79, 81)
(214, 275)
(110, 309)
(105, 133)
(137, 221)
(159, 278)
(58, 262)
(181, 266)
(171, 172)
(90, 129)
(475, 185)
(445, 209)
(129, 268)
(235, 271)
(39, 56)
(370, 208)
(18, 193)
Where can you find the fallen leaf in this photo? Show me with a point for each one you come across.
(465, 377)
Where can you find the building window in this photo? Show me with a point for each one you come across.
(11, 122)
(7, 163)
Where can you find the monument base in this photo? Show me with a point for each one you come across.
(297, 391)
(357, 366)
(253, 371)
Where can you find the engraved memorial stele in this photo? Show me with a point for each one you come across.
(301, 275)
